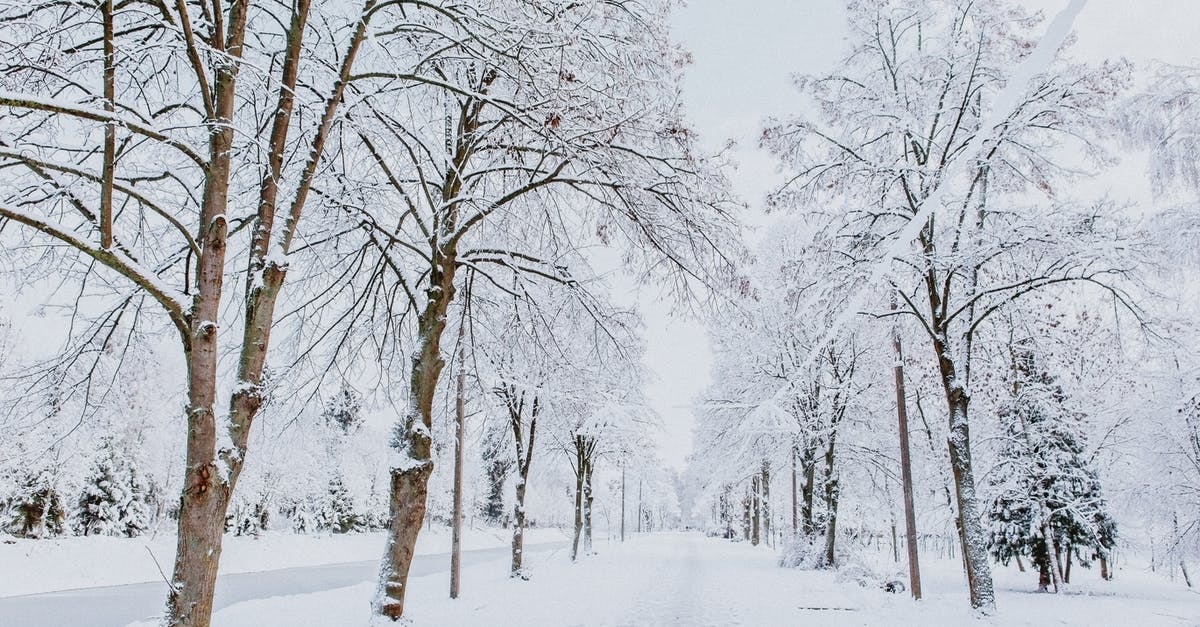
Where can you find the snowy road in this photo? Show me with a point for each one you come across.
(119, 605)
(667, 579)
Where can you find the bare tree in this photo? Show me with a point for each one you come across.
(556, 144)
(891, 133)
(158, 202)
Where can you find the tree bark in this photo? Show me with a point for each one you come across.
(579, 464)
(639, 507)
(1043, 575)
(518, 541)
(755, 509)
(524, 461)
(110, 128)
(831, 500)
(1054, 565)
(206, 493)
(971, 534)
(410, 480)
(806, 508)
(747, 517)
(765, 490)
(587, 508)
(1067, 569)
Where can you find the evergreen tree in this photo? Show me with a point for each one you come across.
(34, 510)
(342, 516)
(248, 516)
(115, 497)
(1044, 483)
(344, 411)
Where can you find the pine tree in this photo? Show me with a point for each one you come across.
(342, 516)
(344, 411)
(115, 497)
(1044, 483)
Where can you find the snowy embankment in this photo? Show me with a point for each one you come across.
(685, 579)
(33, 566)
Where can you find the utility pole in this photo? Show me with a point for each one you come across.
(459, 419)
(910, 517)
(622, 501)
(795, 520)
(639, 512)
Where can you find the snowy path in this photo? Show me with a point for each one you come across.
(654, 580)
(657, 579)
(120, 605)
(687, 580)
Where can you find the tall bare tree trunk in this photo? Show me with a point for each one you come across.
(410, 480)
(524, 461)
(765, 490)
(832, 491)
(579, 469)
(1067, 568)
(639, 507)
(518, 541)
(587, 508)
(110, 129)
(747, 517)
(971, 534)
(808, 491)
(206, 493)
(755, 509)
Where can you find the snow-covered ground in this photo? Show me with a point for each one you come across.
(686, 579)
(33, 566)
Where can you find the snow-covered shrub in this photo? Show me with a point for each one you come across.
(333, 510)
(308, 515)
(115, 498)
(34, 509)
(248, 517)
(803, 551)
(855, 568)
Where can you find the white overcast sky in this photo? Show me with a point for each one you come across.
(746, 50)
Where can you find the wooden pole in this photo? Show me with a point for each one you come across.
(795, 520)
(910, 517)
(622, 502)
(459, 419)
(639, 512)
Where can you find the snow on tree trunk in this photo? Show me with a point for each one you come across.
(410, 474)
(587, 508)
(971, 533)
(579, 471)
